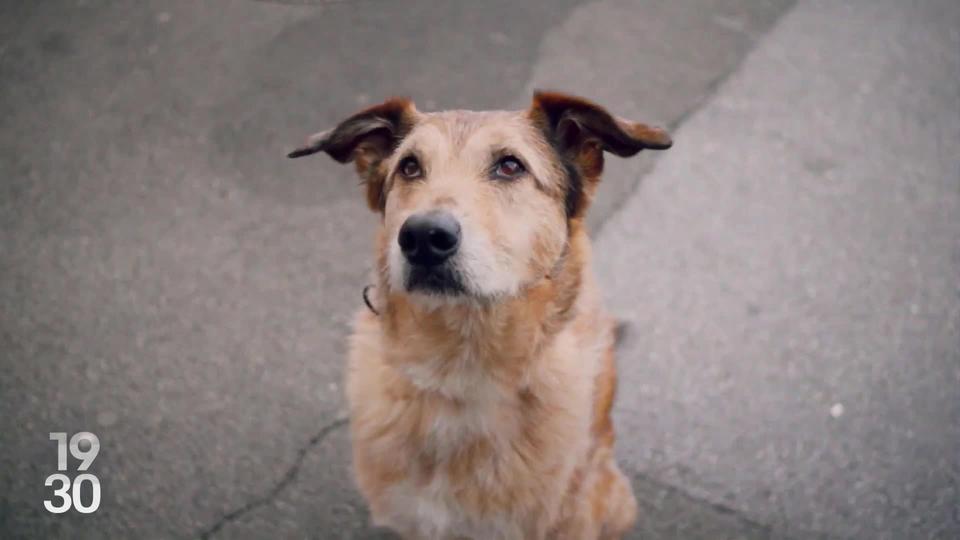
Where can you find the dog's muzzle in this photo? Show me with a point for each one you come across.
(428, 241)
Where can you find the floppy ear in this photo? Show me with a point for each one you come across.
(366, 138)
(581, 131)
(572, 121)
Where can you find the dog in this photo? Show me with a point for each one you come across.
(481, 378)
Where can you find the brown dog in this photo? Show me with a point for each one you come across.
(481, 380)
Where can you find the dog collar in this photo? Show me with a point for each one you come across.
(366, 300)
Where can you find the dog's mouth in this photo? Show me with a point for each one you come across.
(438, 279)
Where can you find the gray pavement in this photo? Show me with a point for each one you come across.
(172, 284)
(791, 275)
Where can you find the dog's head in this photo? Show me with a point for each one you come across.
(478, 205)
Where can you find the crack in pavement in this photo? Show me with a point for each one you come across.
(709, 94)
(768, 530)
(293, 471)
(288, 477)
(717, 508)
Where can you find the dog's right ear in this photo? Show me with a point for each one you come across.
(366, 138)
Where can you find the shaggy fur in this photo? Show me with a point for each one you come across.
(485, 413)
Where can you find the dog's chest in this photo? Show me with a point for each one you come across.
(454, 450)
(464, 473)
(432, 511)
(459, 482)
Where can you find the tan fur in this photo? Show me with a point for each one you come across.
(488, 415)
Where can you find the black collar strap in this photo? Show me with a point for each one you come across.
(366, 300)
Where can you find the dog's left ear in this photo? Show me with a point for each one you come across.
(580, 131)
(365, 138)
(575, 125)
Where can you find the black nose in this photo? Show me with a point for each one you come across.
(430, 238)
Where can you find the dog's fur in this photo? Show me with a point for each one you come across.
(485, 412)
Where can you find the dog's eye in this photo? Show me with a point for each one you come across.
(410, 168)
(508, 168)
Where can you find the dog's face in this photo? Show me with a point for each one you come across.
(475, 202)
(478, 205)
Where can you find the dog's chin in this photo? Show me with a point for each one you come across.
(436, 281)
(447, 285)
